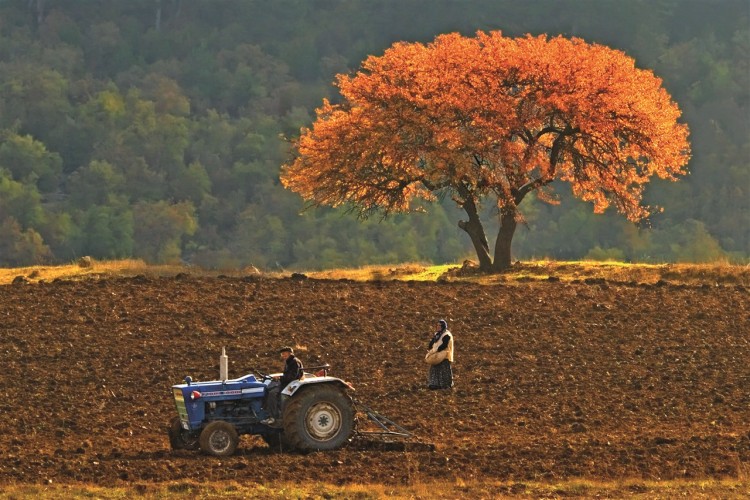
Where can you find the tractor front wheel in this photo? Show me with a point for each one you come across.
(320, 418)
(219, 439)
(179, 438)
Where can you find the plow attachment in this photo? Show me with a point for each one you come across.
(385, 433)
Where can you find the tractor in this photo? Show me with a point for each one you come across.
(317, 412)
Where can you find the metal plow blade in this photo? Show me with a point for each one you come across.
(388, 435)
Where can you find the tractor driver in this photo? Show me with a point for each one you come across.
(293, 370)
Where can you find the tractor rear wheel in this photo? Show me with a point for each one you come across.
(219, 439)
(179, 438)
(320, 418)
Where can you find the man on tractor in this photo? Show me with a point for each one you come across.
(293, 370)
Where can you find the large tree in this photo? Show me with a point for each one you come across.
(490, 118)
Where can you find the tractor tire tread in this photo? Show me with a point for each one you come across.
(294, 426)
(218, 425)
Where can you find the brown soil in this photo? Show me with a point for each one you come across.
(554, 380)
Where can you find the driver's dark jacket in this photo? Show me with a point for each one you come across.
(292, 371)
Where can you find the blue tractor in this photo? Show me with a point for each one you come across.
(317, 413)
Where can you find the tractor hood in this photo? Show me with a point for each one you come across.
(190, 397)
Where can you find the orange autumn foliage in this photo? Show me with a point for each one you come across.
(491, 117)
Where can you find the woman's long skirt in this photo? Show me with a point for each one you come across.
(441, 376)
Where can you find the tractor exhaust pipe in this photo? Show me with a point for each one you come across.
(223, 366)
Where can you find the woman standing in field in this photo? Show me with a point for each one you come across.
(440, 357)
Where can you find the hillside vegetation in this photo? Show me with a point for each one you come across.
(156, 130)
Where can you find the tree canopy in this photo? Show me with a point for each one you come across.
(491, 116)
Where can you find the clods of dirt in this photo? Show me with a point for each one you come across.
(552, 379)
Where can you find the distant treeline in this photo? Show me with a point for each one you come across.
(156, 129)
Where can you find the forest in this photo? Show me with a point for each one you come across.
(156, 130)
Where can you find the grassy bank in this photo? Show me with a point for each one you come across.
(689, 274)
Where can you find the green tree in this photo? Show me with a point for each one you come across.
(191, 183)
(60, 233)
(690, 242)
(19, 247)
(160, 228)
(35, 99)
(104, 232)
(20, 201)
(94, 184)
(29, 161)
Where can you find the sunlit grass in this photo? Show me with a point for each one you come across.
(105, 268)
(414, 272)
(547, 270)
(720, 273)
(579, 488)
(77, 271)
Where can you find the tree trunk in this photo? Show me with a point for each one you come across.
(504, 238)
(475, 230)
(157, 23)
(38, 7)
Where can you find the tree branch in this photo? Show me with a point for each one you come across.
(520, 193)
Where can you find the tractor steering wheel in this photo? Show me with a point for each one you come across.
(263, 376)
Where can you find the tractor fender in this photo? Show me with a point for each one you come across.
(295, 385)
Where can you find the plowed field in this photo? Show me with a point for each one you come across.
(554, 380)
